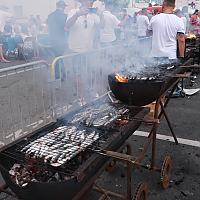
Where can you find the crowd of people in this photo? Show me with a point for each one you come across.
(93, 24)
(191, 22)
(14, 33)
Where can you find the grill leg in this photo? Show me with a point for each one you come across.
(167, 100)
(168, 122)
(154, 132)
(129, 175)
(153, 148)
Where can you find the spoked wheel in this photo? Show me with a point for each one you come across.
(111, 166)
(141, 192)
(166, 172)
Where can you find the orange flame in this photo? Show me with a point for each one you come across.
(121, 79)
(191, 36)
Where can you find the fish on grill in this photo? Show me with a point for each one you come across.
(44, 170)
(60, 145)
(98, 116)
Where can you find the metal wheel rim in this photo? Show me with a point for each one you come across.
(166, 172)
(141, 192)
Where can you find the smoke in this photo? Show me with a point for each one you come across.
(85, 75)
(36, 7)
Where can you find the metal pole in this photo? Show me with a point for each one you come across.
(154, 130)
(168, 122)
(129, 175)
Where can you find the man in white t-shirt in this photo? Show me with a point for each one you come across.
(82, 24)
(167, 28)
(142, 23)
(109, 23)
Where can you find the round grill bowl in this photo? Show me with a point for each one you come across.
(136, 92)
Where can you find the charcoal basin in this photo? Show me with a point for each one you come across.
(136, 92)
(46, 191)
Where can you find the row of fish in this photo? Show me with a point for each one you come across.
(104, 115)
(60, 145)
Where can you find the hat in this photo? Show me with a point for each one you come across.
(61, 4)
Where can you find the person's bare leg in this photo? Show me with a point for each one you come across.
(1, 54)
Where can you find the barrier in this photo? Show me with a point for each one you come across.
(25, 100)
(31, 97)
(82, 77)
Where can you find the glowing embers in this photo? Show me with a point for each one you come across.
(126, 79)
(121, 79)
(60, 145)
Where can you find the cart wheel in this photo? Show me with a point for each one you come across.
(111, 166)
(141, 192)
(166, 172)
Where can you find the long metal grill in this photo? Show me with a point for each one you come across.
(56, 155)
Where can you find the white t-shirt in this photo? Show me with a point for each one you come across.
(164, 41)
(81, 34)
(107, 34)
(142, 25)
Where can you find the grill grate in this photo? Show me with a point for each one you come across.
(150, 73)
(60, 153)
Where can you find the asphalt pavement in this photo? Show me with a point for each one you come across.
(185, 180)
